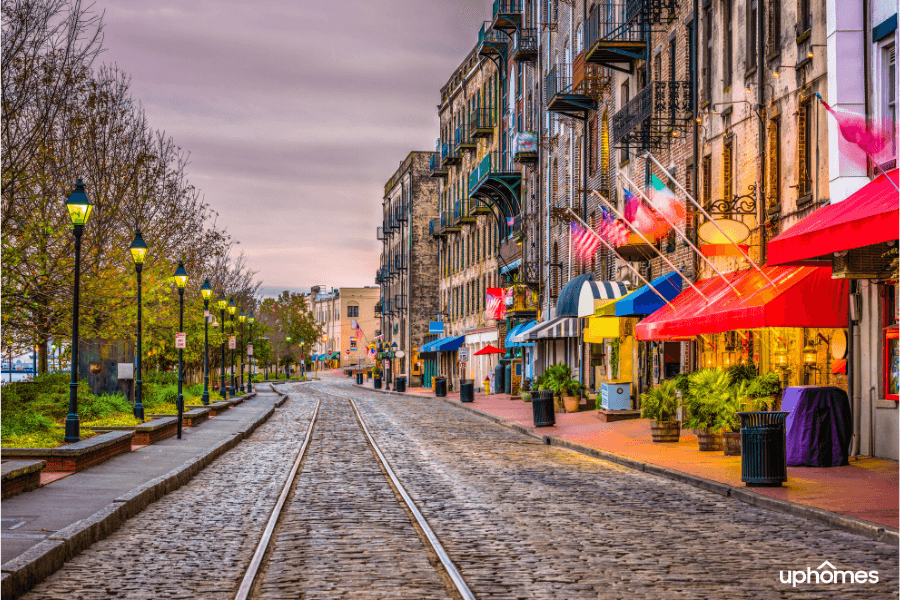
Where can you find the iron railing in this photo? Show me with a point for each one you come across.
(491, 37)
(400, 212)
(559, 80)
(507, 7)
(652, 114)
(525, 44)
(617, 21)
(434, 162)
(482, 121)
(493, 162)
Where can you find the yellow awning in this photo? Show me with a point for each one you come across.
(599, 329)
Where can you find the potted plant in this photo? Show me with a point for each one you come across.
(707, 391)
(660, 403)
(376, 375)
(571, 390)
(763, 392)
(525, 390)
(565, 388)
(735, 401)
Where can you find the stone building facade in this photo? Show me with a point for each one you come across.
(337, 311)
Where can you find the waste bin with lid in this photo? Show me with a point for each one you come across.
(440, 387)
(377, 384)
(400, 383)
(542, 407)
(359, 378)
(467, 390)
(499, 371)
(763, 449)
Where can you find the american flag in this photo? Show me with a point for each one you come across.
(584, 242)
(612, 229)
(510, 221)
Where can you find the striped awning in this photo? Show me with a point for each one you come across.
(560, 327)
(512, 338)
(593, 293)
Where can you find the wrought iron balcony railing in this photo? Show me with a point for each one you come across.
(507, 14)
(493, 162)
(434, 165)
(400, 213)
(378, 307)
(649, 119)
(462, 139)
(482, 122)
(491, 42)
(525, 44)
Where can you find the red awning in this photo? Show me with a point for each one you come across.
(804, 297)
(869, 216)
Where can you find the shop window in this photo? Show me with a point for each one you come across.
(891, 344)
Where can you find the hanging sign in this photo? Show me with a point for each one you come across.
(249, 349)
(180, 341)
(232, 343)
(463, 354)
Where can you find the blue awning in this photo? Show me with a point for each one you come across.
(449, 344)
(513, 265)
(518, 329)
(644, 301)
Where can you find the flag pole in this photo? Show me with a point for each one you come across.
(655, 249)
(611, 248)
(711, 220)
(683, 236)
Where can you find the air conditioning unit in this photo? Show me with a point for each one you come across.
(878, 261)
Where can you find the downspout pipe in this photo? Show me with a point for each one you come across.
(851, 371)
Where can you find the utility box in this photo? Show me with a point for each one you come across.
(615, 395)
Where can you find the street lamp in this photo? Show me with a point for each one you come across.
(181, 279)
(287, 360)
(302, 360)
(206, 292)
(138, 250)
(222, 303)
(79, 208)
(393, 354)
(232, 308)
(242, 318)
(250, 319)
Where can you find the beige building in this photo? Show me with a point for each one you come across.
(337, 311)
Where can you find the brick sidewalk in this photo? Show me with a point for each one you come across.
(866, 489)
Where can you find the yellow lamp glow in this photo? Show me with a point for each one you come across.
(138, 248)
(206, 289)
(181, 276)
(78, 205)
(222, 302)
(241, 317)
(709, 359)
(809, 354)
(232, 307)
(736, 230)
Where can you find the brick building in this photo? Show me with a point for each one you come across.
(337, 311)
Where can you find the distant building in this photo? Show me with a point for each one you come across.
(337, 311)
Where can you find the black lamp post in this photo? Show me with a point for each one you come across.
(79, 208)
(222, 303)
(206, 292)
(242, 318)
(287, 359)
(232, 308)
(393, 354)
(181, 278)
(250, 319)
(138, 254)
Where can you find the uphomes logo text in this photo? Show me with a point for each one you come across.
(826, 573)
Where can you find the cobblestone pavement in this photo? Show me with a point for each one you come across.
(525, 520)
(518, 519)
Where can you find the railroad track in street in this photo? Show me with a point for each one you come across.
(284, 555)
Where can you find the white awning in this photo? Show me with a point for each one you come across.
(560, 327)
(594, 292)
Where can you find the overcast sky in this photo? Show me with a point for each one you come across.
(295, 112)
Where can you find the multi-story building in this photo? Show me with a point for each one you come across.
(409, 261)
(338, 311)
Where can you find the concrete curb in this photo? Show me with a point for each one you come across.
(37, 563)
(879, 533)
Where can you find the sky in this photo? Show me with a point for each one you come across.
(295, 113)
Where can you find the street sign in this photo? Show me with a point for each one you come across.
(348, 352)
(435, 327)
(232, 343)
(125, 371)
(249, 349)
(180, 341)
(463, 354)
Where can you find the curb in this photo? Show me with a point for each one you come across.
(37, 563)
(878, 533)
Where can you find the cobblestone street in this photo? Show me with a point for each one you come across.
(517, 518)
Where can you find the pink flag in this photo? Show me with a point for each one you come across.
(584, 242)
(856, 131)
(649, 224)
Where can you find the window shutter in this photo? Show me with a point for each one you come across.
(604, 155)
(801, 151)
(773, 191)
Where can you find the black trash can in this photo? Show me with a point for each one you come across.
(499, 373)
(377, 383)
(542, 406)
(467, 390)
(359, 378)
(369, 374)
(763, 449)
(400, 384)
(440, 387)
(507, 381)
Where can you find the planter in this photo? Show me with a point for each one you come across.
(377, 383)
(526, 396)
(665, 431)
(709, 441)
(571, 403)
(21, 476)
(732, 443)
(77, 456)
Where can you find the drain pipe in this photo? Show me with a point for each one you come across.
(851, 370)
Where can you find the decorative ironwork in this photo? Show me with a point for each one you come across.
(738, 205)
(649, 119)
(491, 42)
(525, 44)
(507, 14)
(482, 122)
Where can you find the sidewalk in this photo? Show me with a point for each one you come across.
(34, 517)
(867, 489)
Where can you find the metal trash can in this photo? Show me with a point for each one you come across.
(507, 380)
(440, 387)
(542, 407)
(499, 385)
(359, 378)
(377, 384)
(467, 390)
(763, 449)
(369, 374)
(400, 384)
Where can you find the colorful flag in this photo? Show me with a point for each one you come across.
(584, 242)
(643, 219)
(631, 204)
(511, 221)
(494, 305)
(856, 131)
(664, 201)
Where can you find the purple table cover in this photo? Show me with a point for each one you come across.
(820, 427)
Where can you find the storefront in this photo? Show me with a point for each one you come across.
(440, 356)
(480, 366)
(857, 242)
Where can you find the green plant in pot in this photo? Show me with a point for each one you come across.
(734, 401)
(661, 403)
(763, 392)
(525, 390)
(565, 388)
(708, 390)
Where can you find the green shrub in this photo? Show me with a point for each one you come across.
(160, 378)
(660, 403)
(741, 372)
(708, 390)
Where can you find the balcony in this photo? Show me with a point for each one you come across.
(525, 45)
(507, 14)
(447, 223)
(462, 140)
(525, 301)
(378, 307)
(462, 212)
(380, 234)
(378, 278)
(435, 229)
(399, 263)
(653, 117)
(400, 213)
(449, 155)
(496, 181)
(435, 167)
(482, 122)
(492, 42)
(564, 97)
(615, 31)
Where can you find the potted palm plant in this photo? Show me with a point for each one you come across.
(735, 401)
(566, 389)
(707, 392)
(764, 391)
(660, 403)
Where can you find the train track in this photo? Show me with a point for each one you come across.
(251, 585)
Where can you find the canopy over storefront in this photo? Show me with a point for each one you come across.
(803, 297)
(578, 297)
(444, 344)
(515, 331)
(868, 217)
(644, 301)
(520, 337)
(560, 327)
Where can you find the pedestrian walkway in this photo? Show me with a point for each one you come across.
(866, 489)
(30, 518)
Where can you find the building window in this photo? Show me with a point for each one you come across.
(889, 104)
(804, 15)
(773, 26)
(728, 59)
(352, 312)
(891, 344)
(774, 187)
(804, 153)
(752, 18)
(708, 58)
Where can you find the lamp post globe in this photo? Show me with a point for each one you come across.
(287, 339)
(250, 319)
(232, 308)
(242, 318)
(222, 303)
(181, 279)
(138, 251)
(79, 207)
(206, 292)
